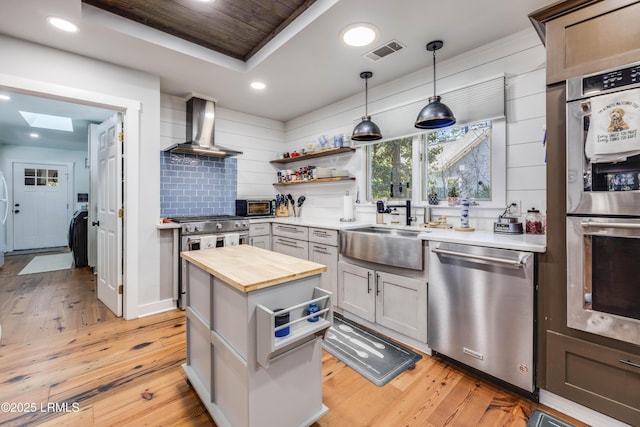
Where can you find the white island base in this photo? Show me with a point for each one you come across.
(244, 375)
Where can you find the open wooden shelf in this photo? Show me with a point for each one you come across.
(312, 181)
(321, 153)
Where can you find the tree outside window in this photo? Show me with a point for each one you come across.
(459, 158)
(390, 169)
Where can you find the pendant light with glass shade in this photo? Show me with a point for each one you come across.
(435, 114)
(366, 130)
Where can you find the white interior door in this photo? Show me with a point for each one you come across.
(108, 207)
(41, 205)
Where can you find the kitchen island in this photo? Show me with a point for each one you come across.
(246, 370)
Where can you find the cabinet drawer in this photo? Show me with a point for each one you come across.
(323, 235)
(293, 231)
(296, 248)
(261, 229)
(595, 376)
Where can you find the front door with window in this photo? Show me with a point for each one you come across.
(40, 205)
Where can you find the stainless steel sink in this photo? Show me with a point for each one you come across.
(389, 246)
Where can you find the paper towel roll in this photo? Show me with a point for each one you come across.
(347, 209)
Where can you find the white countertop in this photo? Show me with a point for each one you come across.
(521, 242)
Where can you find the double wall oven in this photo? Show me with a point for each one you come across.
(603, 203)
(205, 232)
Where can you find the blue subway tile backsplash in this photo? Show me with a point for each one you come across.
(197, 185)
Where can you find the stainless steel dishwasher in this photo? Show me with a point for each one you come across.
(481, 309)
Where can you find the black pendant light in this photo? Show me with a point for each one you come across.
(435, 114)
(366, 130)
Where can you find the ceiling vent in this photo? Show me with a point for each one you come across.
(384, 50)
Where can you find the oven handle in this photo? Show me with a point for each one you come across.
(510, 262)
(628, 225)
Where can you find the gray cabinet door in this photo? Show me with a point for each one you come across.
(401, 304)
(356, 294)
(263, 242)
(326, 255)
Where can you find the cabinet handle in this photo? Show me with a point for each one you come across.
(286, 243)
(630, 363)
(291, 229)
(377, 286)
(368, 282)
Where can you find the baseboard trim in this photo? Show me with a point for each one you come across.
(156, 307)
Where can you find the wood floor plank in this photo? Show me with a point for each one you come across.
(60, 345)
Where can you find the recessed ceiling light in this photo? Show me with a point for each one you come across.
(258, 85)
(4, 97)
(46, 121)
(34, 135)
(62, 24)
(359, 34)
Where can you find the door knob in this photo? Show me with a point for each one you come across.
(16, 211)
(17, 205)
(96, 223)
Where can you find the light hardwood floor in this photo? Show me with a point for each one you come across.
(65, 360)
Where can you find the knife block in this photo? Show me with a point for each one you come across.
(283, 210)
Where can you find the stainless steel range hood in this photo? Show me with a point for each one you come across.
(200, 131)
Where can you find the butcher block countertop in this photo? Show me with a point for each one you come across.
(248, 268)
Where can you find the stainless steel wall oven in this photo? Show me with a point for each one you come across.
(603, 203)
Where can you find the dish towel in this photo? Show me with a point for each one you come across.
(614, 127)
(231, 239)
(207, 242)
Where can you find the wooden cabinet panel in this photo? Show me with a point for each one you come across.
(592, 39)
(595, 376)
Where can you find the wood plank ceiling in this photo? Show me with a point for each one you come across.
(236, 28)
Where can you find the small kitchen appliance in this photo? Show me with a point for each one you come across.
(507, 225)
(255, 208)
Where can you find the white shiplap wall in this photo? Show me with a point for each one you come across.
(520, 56)
(258, 138)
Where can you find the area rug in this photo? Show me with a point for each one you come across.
(542, 419)
(374, 357)
(44, 263)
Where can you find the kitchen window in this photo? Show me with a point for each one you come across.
(458, 159)
(390, 169)
(470, 154)
(470, 157)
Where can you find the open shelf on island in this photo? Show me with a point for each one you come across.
(314, 154)
(311, 181)
(301, 331)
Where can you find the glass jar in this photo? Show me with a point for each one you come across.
(533, 222)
